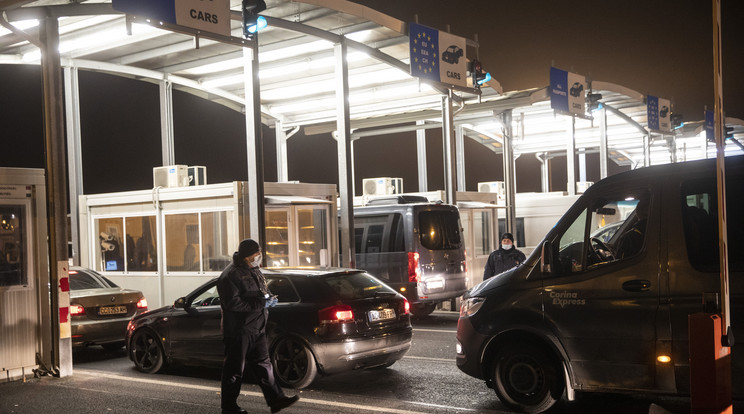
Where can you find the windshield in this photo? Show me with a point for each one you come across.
(439, 229)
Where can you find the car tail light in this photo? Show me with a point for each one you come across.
(77, 310)
(414, 274)
(142, 304)
(406, 307)
(335, 314)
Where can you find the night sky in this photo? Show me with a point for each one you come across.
(662, 48)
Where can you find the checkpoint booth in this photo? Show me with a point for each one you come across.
(26, 322)
(169, 240)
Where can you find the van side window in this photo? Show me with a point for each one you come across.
(700, 221)
(439, 229)
(611, 229)
(374, 238)
(379, 234)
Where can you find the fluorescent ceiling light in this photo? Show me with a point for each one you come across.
(20, 24)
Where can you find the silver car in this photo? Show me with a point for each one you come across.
(100, 310)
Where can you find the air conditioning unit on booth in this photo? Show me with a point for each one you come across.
(170, 176)
(382, 186)
(493, 187)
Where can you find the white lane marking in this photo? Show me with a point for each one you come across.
(429, 358)
(434, 330)
(255, 394)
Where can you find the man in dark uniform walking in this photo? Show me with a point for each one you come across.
(245, 299)
(503, 258)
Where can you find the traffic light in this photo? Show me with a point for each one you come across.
(592, 101)
(251, 23)
(477, 74)
(676, 120)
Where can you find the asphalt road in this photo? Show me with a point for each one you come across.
(426, 380)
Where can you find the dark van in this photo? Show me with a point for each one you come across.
(416, 247)
(611, 316)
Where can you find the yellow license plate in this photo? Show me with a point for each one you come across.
(112, 310)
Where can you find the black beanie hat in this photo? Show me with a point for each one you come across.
(246, 248)
(507, 236)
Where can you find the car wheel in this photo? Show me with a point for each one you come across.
(146, 352)
(423, 309)
(294, 363)
(526, 378)
(114, 346)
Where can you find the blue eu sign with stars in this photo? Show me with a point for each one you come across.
(658, 113)
(424, 42)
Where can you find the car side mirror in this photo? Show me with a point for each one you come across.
(180, 303)
(546, 256)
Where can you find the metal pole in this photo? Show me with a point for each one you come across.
(460, 157)
(603, 152)
(570, 151)
(254, 145)
(343, 142)
(166, 122)
(56, 183)
(421, 157)
(282, 174)
(509, 177)
(719, 128)
(74, 155)
(448, 123)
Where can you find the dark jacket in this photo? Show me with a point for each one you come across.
(501, 260)
(242, 289)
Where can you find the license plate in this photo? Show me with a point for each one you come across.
(381, 315)
(435, 284)
(112, 310)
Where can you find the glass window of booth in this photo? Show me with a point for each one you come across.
(13, 271)
(197, 242)
(313, 241)
(126, 244)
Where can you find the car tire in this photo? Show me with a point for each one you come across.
(423, 309)
(147, 353)
(526, 378)
(294, 363)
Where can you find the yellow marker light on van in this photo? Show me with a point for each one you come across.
(403, 289)
(664, 359)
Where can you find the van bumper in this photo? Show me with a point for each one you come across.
(470, 349)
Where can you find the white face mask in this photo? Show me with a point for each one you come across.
(506, 246)
(256, 261)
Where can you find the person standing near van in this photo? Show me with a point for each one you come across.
(245, 299)
(503, 258)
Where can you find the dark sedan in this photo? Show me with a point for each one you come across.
(100, 310)
(327, 321)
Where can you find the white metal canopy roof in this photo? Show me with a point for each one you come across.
(297, 77)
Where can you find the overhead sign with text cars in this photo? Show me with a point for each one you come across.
(211, 16)
(437, 56)
(658, 112)
(567, 92)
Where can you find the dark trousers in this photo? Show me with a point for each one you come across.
(253, 351)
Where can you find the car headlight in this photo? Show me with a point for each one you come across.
(470, 306)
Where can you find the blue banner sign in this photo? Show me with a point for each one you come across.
(567, 92)
(710, 121)
(658, 112)
(437, 56)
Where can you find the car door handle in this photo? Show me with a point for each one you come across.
(637, 285)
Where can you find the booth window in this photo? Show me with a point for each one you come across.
(126, 244)
(313, 247)
(482, 232)
(197, 242)
(216, 253)
(12, 248)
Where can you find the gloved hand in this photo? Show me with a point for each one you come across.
(271, 301)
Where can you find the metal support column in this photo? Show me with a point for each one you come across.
(343, 142)
(282, 174)
(570, 152)
(647, 150)
(74, 155)
(544, 172)
(254, 145)
(450, 173)
(582, 164)
(460, 157)
(56, 185)
(603, 152)
(166, 122)
(421, 157)
(510, 181)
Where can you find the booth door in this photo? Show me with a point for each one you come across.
(479, 240)
(297, 235)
